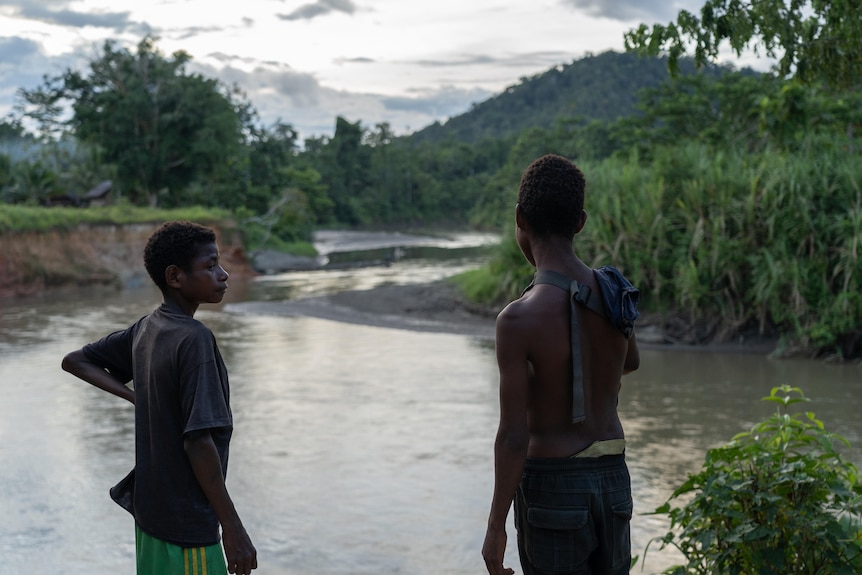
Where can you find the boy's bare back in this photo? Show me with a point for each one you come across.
(536, 329)
(542, 422)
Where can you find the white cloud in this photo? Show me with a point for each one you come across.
(319, 8)
(628, 11)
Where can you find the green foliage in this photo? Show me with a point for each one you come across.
(30, 183)
(778, 499)
(5, 172)
(505, 274)
(814, 40)
(602, 87)
(257, 236)
(741, 111)
(162, 127)
(347, 171)
(14, 218)
(732, 200)
(732, 240)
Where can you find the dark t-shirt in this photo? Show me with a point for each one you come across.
(181, 387)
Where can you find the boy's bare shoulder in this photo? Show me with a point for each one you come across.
(511, 315)
(528, 309)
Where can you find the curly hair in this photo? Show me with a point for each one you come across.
(551, 196)
(174, 243)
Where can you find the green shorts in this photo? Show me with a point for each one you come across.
(157, 557)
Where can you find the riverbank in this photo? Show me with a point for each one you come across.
(441, 308)
(110, 255)
(32, 262)
(437, 307)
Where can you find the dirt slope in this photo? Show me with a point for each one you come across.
(31, 262)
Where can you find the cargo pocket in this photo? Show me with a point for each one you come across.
(560, 540)
(622, 518)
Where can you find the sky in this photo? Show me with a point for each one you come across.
(304, 62)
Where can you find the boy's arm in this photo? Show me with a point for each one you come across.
(206, 465)
(510, 447)
(80, 366)
(633, 357)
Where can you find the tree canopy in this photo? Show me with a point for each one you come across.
(813, 40)
(161, 126)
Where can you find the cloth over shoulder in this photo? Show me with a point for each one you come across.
(617, 303)
(620, 297)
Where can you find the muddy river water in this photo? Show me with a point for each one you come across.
(357, 449)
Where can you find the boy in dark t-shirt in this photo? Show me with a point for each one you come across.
(183, 421)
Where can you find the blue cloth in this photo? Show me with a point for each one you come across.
(620, 299)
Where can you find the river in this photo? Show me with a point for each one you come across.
(357, 449)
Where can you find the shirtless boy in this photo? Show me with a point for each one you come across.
(559, 451)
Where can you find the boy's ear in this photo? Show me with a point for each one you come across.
(519, 217)
(172, 275)
(581, 221)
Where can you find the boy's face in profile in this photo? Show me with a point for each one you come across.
(206, 280)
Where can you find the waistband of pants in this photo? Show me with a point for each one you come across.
(573, 463)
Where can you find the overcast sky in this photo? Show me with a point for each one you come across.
(406, 62)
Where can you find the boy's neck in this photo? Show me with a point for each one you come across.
(175, 302)
(555, 255)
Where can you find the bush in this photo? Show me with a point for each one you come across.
(778, 499)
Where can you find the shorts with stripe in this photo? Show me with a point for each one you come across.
(157, 557)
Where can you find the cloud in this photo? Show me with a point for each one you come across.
(525, 59)
(193, 31)
(116, 21)
(357, 60)
(278, 92)
(187, 32)
(442, 103)
(24, 62)
(265, 80)
(14, 48)
(647, 11)
(320, 8)
(23, 65)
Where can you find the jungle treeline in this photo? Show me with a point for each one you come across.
(733, 199)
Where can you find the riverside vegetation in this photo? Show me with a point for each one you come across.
(778, 499)
(732, 198)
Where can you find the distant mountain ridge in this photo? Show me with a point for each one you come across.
(597, 87)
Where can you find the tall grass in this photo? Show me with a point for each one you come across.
(732, 240)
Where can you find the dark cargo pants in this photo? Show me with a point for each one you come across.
(573, 516)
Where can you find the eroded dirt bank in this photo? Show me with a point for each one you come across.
(32, 262)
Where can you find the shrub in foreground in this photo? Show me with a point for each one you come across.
(779, 499)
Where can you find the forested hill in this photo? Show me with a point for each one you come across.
(597, 87)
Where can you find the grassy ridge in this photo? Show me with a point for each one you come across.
(16, 218)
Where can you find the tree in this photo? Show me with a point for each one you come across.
(162, 127)
(813, 40)
(11, 129)
(344, 162)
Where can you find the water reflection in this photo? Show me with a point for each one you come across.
(358, 449)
